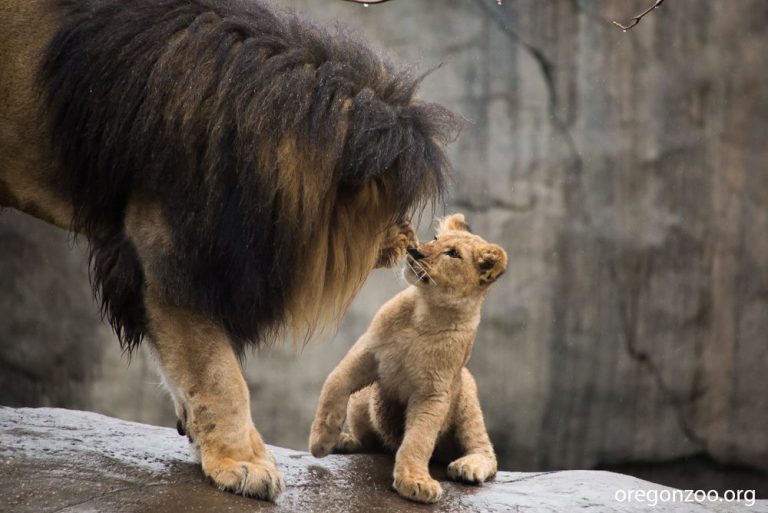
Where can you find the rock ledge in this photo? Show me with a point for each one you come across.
(54, 460)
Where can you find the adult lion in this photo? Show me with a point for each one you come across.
(237, 171)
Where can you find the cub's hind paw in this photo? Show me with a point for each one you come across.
(259, 478)
(472, 468)
(348, 444)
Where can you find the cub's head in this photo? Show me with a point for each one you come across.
(456, 263)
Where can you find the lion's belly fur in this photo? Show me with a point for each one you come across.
(242, 163)
(27, 166)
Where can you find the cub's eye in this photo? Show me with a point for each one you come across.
(453, 253)
(435, 237)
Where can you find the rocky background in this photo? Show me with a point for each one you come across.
(625, 174)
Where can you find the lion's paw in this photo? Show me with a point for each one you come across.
(259, 478)
(472, 468)
(418, 488)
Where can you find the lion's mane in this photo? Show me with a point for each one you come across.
(279, 152)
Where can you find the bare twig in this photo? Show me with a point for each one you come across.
(634, 21)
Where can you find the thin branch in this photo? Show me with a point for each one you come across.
(634, 21)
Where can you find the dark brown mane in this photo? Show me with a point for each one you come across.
(276, 149)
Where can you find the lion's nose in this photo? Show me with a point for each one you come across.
(416, 254)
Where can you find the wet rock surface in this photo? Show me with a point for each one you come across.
(54, 460)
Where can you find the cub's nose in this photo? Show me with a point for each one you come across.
(415, 253)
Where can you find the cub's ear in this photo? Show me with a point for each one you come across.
(491, 261)
(453, 223)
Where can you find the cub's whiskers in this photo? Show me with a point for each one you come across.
(419, 270)
(424, 267)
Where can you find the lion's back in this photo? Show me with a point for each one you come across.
(277, 153)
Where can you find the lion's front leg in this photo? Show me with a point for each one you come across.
(202, 371)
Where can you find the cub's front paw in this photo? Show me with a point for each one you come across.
(322, 440)
(472, 468)
(419, 488)
(255, 478)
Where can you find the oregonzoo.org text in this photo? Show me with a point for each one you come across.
(654, 497)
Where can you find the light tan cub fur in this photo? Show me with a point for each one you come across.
(404, 384)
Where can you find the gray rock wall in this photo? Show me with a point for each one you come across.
(54, 349)
(625, 175)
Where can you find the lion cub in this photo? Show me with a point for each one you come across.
(404, 382)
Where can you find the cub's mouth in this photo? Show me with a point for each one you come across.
(417, 270)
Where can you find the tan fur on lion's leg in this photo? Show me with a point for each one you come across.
(479, 462)
(200, 367)
(356, 370)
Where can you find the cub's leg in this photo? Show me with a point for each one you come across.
(425, 416)
(200, 367)
(356, 370)
(360, 434)
(479, 462)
